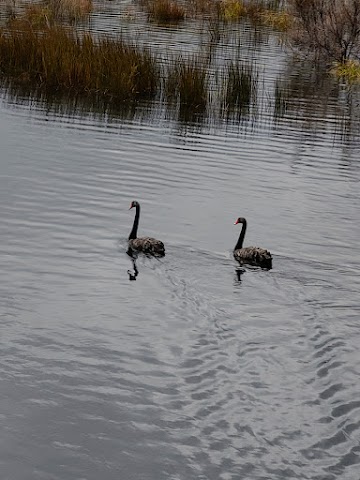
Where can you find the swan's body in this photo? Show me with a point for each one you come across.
(251, 255)
(146, 245)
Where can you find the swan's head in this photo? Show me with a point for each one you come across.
(240, 220)
(133, 204)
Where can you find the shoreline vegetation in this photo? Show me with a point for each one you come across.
(59, 60)
(41, 48)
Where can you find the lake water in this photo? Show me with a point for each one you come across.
(189, 372)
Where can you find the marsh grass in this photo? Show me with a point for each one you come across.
(203, 8)
(232, 9)
(59, 60)
(71, 10)
(46, 13)
(279, 20)
(165, 11)
(240, 87)
(187, 84)
(258, 11)
(349, 70)
(281, 100)
(36, 15)
(270, 12)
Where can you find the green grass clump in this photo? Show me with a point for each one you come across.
(59, 60)
(165, 11)
(350, 70)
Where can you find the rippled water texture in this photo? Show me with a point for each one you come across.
(188, 372)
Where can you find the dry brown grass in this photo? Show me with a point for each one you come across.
(71, 9)
(165, 11)
(281, 20)
(45, 13)
(59, 60)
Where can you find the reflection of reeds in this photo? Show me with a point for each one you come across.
(60, 60)
(281, 99)
(187, 84)
(240, 87)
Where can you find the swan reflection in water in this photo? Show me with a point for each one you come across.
(239, 271)
(134, 272)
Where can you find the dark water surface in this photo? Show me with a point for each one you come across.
(186, 373)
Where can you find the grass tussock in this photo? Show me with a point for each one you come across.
(165, 11)
(266, 12)
(280, 20)
(232, 9)
(240, 87)
(59, 60)
(47, 13)
(349, 70)
(187, 84)
(71, 9)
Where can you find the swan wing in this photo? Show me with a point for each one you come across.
(254, 256)
(148, 245)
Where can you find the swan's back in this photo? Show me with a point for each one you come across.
(254, 256)
(147, 245)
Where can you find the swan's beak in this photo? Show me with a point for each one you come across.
(131, 206)
(235, 223)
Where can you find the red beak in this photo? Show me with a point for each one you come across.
(131, 206)
(235, 223)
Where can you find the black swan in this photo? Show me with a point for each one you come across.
(147, 245)
(251, 255)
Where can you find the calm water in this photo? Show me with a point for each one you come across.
(188, 372)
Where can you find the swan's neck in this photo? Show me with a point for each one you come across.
(241, 237)
(133, 232)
